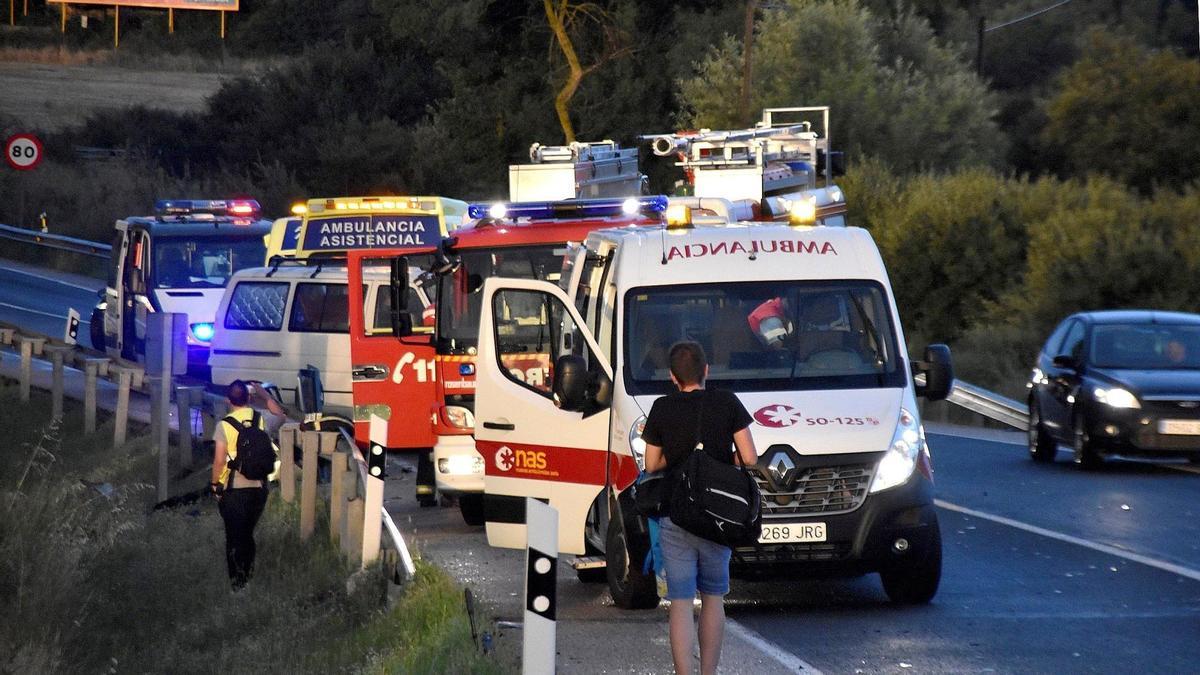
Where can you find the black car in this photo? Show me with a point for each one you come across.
(1123, 382)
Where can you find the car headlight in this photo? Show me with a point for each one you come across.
(900, 460)
(636, 445)
(459, 416)
(1116, 398)
(461, 464)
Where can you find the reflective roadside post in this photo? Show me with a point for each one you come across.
(541, 577)
(166, 356)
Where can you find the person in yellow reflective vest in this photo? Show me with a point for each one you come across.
(240, 500)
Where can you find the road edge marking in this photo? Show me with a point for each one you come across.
(791, 662)
(1108, 549)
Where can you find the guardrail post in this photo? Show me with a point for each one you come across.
(373, 500)
(29, 346)
(340, 466)
(121, 424)
(308, 484)
(91, 367)
(6, 335)
(287, 462)
(185, 398)
(211, 406)
(541, 584)
(58, 354)
(355, 508)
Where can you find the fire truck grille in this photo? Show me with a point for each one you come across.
(824, 490)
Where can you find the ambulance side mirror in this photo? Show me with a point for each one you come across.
(399, 290)
(571, 382)
(938, 368)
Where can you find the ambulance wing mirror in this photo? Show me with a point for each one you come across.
(310, 395)
(938, 369)
(401, 321)
(577, 389)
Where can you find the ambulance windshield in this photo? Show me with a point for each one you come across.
(766, 336)
(203, 262)
(460, 294)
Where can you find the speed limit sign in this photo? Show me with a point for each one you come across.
(23, 151)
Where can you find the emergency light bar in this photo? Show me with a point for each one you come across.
(217, 207)
(428, 204)
(571, 208)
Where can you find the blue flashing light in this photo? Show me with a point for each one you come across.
(247, 208)
(466, 369)
(203, 331)
(571, 208)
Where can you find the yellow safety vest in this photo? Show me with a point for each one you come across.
(242, 415)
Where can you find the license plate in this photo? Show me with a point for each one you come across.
(1180, 427)
(792, 533)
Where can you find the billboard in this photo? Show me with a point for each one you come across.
(221, 5)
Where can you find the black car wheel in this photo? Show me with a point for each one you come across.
(1042, 447)
(915, 582)
(629, 587)
(1085, 450)
(97, 329)
(471, 507)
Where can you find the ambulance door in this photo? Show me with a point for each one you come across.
(532, 443)
(132, 299)
(114, 295)
(391, 376)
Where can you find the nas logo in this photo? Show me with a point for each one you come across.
(508, 459)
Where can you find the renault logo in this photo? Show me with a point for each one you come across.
(782, 470)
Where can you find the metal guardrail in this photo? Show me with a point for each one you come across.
(57, 241)
(989, 404)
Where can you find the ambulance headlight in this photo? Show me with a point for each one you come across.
(202, 331)
(900, 460)
(637, 446)
(459, 416)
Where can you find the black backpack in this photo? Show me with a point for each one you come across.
(715, 500)
(255, 457)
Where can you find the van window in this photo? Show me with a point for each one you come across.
(320, 308)
(203, 262)
(383, 310)
(766, 336)
(257, 305)
(531, 330)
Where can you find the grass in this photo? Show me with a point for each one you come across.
(92, 580)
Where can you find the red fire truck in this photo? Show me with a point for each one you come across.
(518, 240)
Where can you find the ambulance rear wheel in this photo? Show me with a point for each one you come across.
(630, 588)
(471, 507)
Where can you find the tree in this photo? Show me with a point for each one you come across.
(564, 17)
(894, 92)
(1128, 112)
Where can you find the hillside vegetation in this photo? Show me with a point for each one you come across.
(1057, 173)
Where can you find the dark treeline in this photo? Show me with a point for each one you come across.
(1078, 128)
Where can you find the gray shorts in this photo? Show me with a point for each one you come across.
(692, 563)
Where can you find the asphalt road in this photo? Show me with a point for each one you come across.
(1048, 569)
(1069, 581)
(37, 299)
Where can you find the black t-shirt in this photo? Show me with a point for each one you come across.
(672, 424)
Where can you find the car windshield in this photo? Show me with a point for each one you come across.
(460, 294)
(204, 262)
(766, 335)
(1145, 346)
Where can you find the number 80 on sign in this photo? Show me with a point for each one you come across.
(23, 151)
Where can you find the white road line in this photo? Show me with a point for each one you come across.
(791, 662)
(1078, 541)
(41, 313)
(43, 277)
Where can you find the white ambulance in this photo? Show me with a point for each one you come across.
(799, 322)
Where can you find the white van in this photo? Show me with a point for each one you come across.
(799, 322)
(274, 321)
